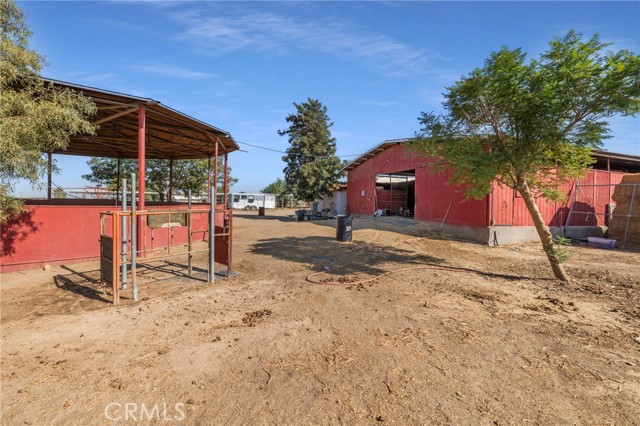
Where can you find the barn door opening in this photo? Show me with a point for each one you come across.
(396, 193)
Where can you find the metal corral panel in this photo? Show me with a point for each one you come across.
(594, 198)
(106, 259)
(555, 214)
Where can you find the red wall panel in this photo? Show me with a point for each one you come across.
(437, 201)
(434, 196)
(62, 233)
(392, 199)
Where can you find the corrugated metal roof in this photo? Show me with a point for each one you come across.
(373, 151)
(171, 134)
(604, 154)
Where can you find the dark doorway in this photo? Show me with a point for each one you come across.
(395, 194)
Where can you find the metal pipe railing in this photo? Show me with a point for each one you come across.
(120, 254)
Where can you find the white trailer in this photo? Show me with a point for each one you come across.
(244, 201)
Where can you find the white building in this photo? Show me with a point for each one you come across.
(336, 201)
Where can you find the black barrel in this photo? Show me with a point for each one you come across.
(343, 227)
(261, 211)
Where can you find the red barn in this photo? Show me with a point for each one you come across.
(392, 176)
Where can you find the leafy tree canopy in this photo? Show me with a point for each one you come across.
(276, 187)
(35, 118)
(531, 124)
(187, 175)
(312, 165)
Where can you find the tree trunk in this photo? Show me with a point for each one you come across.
(543, 231)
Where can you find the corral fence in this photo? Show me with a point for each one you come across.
(609, 211)
(289, 201)
(131, 237)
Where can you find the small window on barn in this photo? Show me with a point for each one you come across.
(251, 198)
(236, 198)
(244, 197)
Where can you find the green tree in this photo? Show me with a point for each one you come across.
(312, 165)
(59, 193)
(531, 125)
(276, 187)
(35, 118)
(187, 175)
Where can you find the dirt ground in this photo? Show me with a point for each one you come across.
(483, 337)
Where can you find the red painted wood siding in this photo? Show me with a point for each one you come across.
(595, 198)
(509, 207)
(434, 196)
(392, 199)
(57, 234)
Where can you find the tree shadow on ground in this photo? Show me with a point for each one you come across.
(254, 216)
(18, 228)
(397, 224)
(325, 254)
(402, 225)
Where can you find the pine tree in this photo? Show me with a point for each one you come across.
(312, 165)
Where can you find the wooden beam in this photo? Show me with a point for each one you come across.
(114, 116)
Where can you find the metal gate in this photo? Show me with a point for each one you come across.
(124, 236)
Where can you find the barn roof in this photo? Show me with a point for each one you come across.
(617, 161)
(171, 134)
(373, 152)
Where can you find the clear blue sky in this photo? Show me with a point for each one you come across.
(240, 65)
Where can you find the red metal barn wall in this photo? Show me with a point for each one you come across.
(433, 196)
(509, 207)
(58, 234)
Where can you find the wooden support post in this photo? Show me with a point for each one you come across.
(229, 248)
(212, 239)
(134, 236)
(124, 234)
(114, 259)
(209, 178)
(215, 176)
(49, 168)
(118, 183)
(169, 234)
(142, 130)
(189, 232)
(226, 181)
(170, 195)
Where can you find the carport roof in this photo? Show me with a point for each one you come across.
(170, 134)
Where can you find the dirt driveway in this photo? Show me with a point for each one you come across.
(484, 336)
